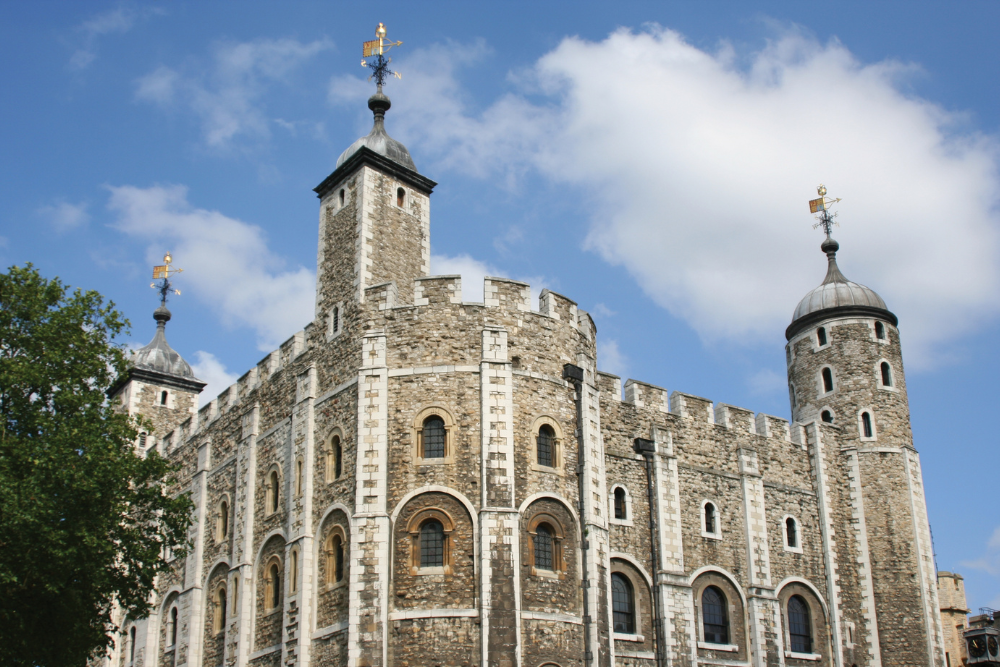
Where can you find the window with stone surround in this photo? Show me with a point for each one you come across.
(335, 548)
(299, 477)
(222, 520)
(710, 520)
(826, 415)
(821, 338)
(293, 580)
(622, 604)
(866, 425)
(804, 622)
(400, 197)
(272, 586)
(219, 611)
(433, 431)
(714, 616)
(826, 380)
(342, 194)
(546, 536)
(334, 457)
(172, 628)
(791, 534)
(272, 495)
(799, 627)
(547, 446)
(621, 506)
(430, 541)
(879, 330)
(885, 374)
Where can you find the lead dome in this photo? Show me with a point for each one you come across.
(378, 140)
(158, 355)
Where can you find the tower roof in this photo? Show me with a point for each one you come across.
(836, 296)
(378, 140)
(158, 362)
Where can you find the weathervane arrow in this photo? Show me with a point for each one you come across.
(376, 49)
(162, 273)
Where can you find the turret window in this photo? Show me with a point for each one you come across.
(334, 459)
(791, 533)
(879, 330)
(342, 196)
(827, 374)
(219, 613)
(272, 494)
(710, 520)
(867, 428)
(821, 336)
(400, 197)
(222, 522)
(163, 397)
(826, 416)
(886, 372)
(620, 509)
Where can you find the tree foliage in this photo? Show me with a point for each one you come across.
(84, 518)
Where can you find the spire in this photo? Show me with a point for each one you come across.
(833, 274)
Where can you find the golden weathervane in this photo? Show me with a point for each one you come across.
(376, 48)
(163, 273)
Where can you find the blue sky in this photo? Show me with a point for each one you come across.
(650, 160)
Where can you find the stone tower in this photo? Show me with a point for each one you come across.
(160, 385)
(847, 386)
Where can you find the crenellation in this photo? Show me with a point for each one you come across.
(429, 290)
(688, 406)
(507, 294)
(736, 418)
(642, 394)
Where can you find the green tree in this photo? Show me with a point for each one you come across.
(84, 519)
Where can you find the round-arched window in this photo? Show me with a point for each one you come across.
(623, 604)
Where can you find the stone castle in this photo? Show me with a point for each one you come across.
(414, 480)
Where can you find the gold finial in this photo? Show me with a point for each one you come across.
(822, 205)
(376, 48)
(162, 273)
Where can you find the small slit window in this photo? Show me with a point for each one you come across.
(400, 197)
(342, 196)
(799, 628)
(273, 588)
(821, 336)
(223, 532)
(272, 492)
(432, 544)
(163, 398)
(623, 604)
(173, 626)
(338, 559)
(826, 416)
(433, 438)
(880, 331)
(546, 446)
(791, 533)
(131, 645)
(711, 521)
(334, 459)
(336, 319)
(827, 380)
(866, 424)
(886, 372)
(543, 547)
(298, 477)
(715, 621)
(621, 512)
(219, 620)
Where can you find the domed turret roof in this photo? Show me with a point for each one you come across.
(378, 140)
(158, 356)
(836, 296)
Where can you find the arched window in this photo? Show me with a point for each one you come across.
(272, 592)
(710, 522)
(272, 492)
(620, 510)
(173, 626)
(335, 560)
(879, 330)
(131, 642)
(223, 521)
(219, 621)
(866, 424)
(821, 336)
(432, 544)
(543, 547)
(433, 438)
(163, 398)
(337, 451)
(799, 628)
(826, 416)
(791, 533)
(827, 380)
(546, 445)
(714, 619)
(400, 196)
(342, 196)
(622, 604)
(886, 374)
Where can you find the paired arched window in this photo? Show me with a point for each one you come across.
(622, 604)
(886, 372)
(433, 438)
(219, 618)
(546, 446)
(273, 494)
(791, 533)
(400, 197)
(710, 519)
(826, 416)
(821, 336)
(335, 559)
(222, 521)
(799, 627)
(879, 330)
(621, 509)
(827, 380)
(867, 430)
(272, 587)
(432, 543)
(714, 616)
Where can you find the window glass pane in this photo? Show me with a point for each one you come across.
(798, 625)
(546, 439)
(543, 547)
(620, 503)
(622, 604)
(713, 614)
(338, 559)
(432, 544)
(433, 437)
(790, 531)
(709, 518)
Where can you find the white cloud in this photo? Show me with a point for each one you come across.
(227, 94)
(65, 216)
(227, 262)
(601, 310)
(990, 561)
(699, 165)
(473, 273)
(119, 20)
(766, 381)
(209, 369)
(611, 359)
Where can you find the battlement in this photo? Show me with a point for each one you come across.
(557, 307)
(506, 293)
(642, 394)
(437, 289)
(609, 384)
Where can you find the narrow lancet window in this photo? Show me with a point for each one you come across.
(827, 380)
(710, 518)
(866, 424)
(880, 331)
(886, 374)
(400, 197)
(546, 440)
(826, 416)
(620, 511)
(799, 626)
(623, 604)
(791, 533)
(821, 336)
(715, 621)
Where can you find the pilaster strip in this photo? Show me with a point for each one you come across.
(298, 626)
(758, 555)
(242, 557)
(864, 560)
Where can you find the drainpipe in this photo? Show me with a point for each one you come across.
(648, 448)
(575, 375)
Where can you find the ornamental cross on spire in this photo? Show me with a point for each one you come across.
(379, 64)
(822, 205)
(163, 273)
